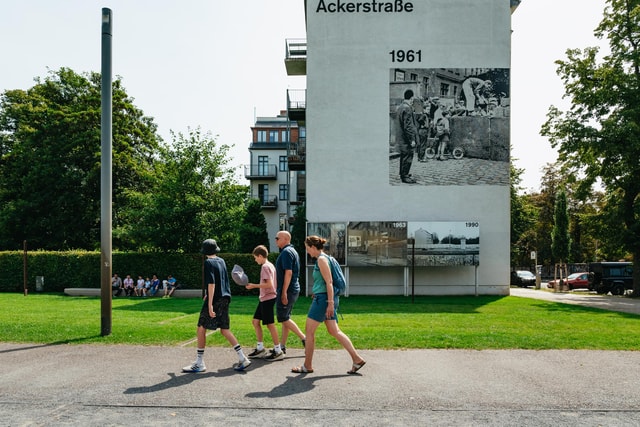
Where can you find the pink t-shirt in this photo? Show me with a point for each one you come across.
(268, 271)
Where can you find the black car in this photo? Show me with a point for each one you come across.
(523, 278)
(614, 277)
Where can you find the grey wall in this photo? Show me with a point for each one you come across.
(350, 173)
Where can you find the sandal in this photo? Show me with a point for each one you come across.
(356, 367)
(301, 370)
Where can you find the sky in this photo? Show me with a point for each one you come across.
(217, 64)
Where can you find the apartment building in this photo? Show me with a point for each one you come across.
(276, 168)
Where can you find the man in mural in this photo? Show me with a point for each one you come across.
(407, 134)
(474, 90)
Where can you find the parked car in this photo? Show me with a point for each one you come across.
(614, 277)
(523, 278)
(573, 281)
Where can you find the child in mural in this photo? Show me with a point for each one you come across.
(442, 134)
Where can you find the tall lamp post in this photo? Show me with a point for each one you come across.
(106, 175)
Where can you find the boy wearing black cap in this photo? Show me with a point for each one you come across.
(215, 308)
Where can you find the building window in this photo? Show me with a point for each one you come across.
(425, 82)
(263, 165)
(444, 89)
(399, 76)
(283, 163)
(283, 192)
(285, 136)
(282, 221)
(262, 136)
(414, 77)
(302, 132)
(273, 136)
(263, 194)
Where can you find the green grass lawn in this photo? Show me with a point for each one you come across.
(372, 322)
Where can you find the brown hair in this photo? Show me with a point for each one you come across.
(315, 241)
(261, 250)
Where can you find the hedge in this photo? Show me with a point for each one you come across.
(81, 269)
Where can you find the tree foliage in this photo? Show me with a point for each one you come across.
(560, 240)
(598, 137)
(193, 197)
(253, 230)
(166, 197)
(523, 217)
(50, 160)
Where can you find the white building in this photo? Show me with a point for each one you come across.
(360, 59)
(275, 171)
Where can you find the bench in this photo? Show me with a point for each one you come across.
(96, 292)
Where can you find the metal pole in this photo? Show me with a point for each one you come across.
(106, 175)
(413, 268)
(24, 266)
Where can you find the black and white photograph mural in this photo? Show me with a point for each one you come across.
(449, 126)
(336, 235)
(444, 243)
(377, 243)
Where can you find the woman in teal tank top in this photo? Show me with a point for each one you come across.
(324, 307)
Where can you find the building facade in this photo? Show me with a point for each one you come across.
(444, 228)
(275, 176)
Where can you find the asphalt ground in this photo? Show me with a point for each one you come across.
(80, 385)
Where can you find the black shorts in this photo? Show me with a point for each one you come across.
(283, 312)
(221, 308)
(264, 311)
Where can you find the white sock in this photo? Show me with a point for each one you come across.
(238, 350)
(260, 346)
(200, 353)
(277, 348)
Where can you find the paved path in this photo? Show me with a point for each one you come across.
(80, 385)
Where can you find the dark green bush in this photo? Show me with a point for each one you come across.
(81, 269)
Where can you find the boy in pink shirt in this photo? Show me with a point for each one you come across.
(264, 311)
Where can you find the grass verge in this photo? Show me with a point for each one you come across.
(372, 322)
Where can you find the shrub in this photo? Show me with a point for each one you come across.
(81, 269)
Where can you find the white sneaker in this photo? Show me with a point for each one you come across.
(194, 367)
(241, 366)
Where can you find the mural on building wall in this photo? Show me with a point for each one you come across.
(336, 235)
(449, 126)
(380, 243)
(444, 243)
(387, 243)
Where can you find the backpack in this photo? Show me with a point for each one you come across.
(339, 282)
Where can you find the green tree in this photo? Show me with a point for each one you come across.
(598, 137)
(50, 160)
(560, 240)
(523, 218)
(545, 201)
(253, 231)
(194, 197)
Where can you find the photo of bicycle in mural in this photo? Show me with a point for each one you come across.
(437, 115)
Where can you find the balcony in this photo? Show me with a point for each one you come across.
(297, 105)
(295, 59)
(268, 202)
(297, 155)
(260, 171)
